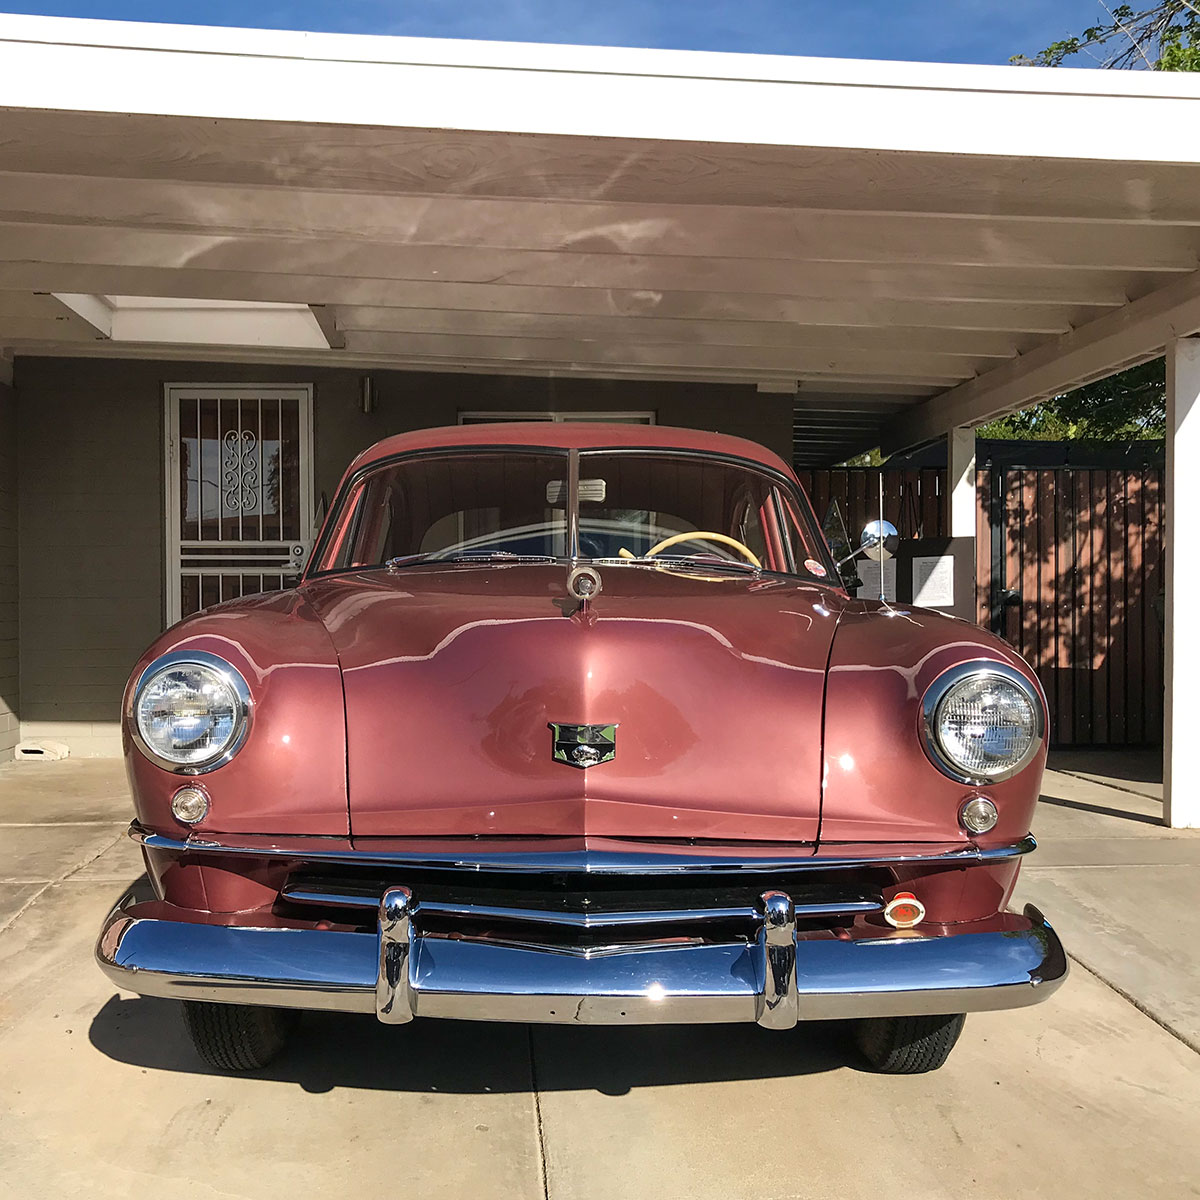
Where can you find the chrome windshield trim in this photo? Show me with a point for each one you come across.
(639, 861)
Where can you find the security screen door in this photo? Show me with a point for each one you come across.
(239, 491)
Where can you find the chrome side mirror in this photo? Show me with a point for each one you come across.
(879, 541)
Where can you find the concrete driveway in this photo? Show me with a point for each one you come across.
(1093, 1093)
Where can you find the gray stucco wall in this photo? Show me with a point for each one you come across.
(91, 531)
(9, 675)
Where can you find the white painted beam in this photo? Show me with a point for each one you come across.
(587, 92)
(40, 328)
(935, 322)
(797, 361)
(1130, 335)
(339, 257)
(540, 369)
(961, 482)
(92, 308)
(487, 297)
(1181, 792)
(689, 230)
(976, 344)
(413, 162)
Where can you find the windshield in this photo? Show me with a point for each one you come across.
(479, 504)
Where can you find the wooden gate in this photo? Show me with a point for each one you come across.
(1069, 570)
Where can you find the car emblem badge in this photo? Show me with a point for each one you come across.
(584, 745)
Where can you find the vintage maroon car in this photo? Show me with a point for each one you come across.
(577, 723)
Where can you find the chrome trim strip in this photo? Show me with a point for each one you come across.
(397, 973)
(573, 505)
(583, 862)
(578, 920)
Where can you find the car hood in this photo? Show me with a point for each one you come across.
(453, 677)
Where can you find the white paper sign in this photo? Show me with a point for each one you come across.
(868, 572)
(933, 581)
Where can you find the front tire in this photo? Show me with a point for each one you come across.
(237, 1037)
(908, 1045)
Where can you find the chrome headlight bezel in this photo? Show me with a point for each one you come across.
(228, 674)
(938, 691)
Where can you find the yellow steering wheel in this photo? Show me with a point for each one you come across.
(698, 535)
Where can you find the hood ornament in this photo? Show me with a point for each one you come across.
(583, 745)
(583, 585)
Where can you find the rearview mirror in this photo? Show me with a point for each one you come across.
(590, 491)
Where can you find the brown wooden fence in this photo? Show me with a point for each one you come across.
(1069, 570)
(914, 501)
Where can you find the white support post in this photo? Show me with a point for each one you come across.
(961, 483)
(1181, 638)
(960, 496)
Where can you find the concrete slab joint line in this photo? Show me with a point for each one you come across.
(1144, 1009)
(537, 1115)
(86, 861)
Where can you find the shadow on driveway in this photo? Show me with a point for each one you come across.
(1123, 814)
(348, 1050)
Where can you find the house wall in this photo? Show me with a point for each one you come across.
(9, 673)
(91, 531)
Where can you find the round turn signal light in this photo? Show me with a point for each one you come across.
(978, 815)
(190, 805)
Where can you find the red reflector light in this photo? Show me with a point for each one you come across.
(903, 911)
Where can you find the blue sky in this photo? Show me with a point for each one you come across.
(980, 31)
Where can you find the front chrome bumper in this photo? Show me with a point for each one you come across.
(777, 979)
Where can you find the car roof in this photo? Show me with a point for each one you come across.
(581, 435)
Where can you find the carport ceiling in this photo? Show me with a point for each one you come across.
(877, 243)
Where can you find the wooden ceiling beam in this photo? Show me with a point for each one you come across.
(277, 154)
(662, 331)
(1123, 338)
(131, 247)
(315, 360)
(374, 295)
(811, 363)
(656, 229)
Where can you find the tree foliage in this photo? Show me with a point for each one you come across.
(1164, 37)
(1125, 407)
(1130, 405)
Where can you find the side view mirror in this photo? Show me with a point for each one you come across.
(880, 540)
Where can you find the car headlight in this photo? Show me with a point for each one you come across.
(983, 722)
(190, 712)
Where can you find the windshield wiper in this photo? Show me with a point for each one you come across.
(506, 556)
(689, 561)
(467, 556)
(405, 560)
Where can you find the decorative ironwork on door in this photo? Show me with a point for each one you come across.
(239, 492)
